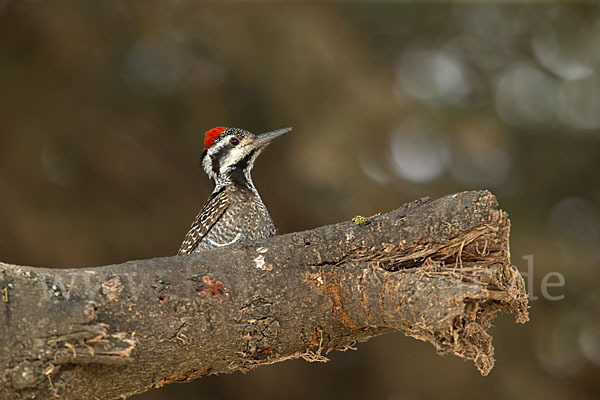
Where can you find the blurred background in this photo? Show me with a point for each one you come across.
(103, 105)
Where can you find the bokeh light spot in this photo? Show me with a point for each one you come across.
(525, 95)
(417, 155)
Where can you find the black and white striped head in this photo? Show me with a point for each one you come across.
(229, 154)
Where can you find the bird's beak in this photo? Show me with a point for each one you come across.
(265, 138)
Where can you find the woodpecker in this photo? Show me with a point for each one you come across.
(234, 210)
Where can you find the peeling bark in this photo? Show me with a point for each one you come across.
(438, 271)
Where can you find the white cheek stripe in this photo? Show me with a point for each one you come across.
(234, 156)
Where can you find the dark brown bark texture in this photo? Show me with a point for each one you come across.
(436, 270)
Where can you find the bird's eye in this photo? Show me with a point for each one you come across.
(234, 141)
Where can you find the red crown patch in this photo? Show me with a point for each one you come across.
(212, 135)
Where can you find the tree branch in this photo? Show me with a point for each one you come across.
(438, 271)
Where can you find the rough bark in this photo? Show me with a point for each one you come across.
(438, 271)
